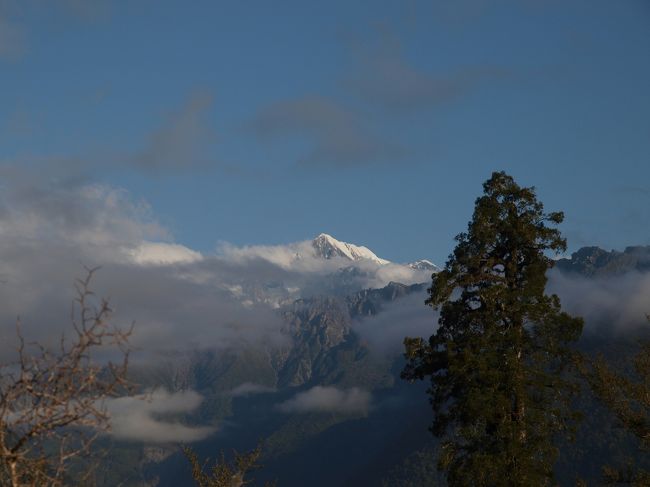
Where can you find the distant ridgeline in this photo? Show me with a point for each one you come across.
(596, 262)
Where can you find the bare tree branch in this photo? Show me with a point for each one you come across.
(52, 402)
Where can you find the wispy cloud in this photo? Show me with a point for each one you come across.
(382, 75)
(337, 136)
(184, 139)
(328, 399)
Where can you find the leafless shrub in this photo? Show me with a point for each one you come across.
(52, 399)
(224, 473)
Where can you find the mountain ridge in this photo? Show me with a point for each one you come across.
(593, 261)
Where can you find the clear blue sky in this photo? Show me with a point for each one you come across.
(258, 122)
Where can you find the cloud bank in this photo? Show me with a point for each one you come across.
(615, 303)
(177, 297)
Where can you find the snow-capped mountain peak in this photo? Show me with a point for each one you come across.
(424, 265)
(327, 247)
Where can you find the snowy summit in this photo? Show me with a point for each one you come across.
(328, 247)
(424, 265)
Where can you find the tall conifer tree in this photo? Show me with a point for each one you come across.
(498, 360)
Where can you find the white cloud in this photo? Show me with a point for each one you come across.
(134, 418)
(328, 399)
(250, 388)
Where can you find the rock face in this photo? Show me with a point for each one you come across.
(321, 344)
(316, 326)
(369, 302)
(595, 262)
(320, 328)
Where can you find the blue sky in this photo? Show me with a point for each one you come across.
(259, 122)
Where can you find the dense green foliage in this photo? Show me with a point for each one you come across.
(498, 360)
